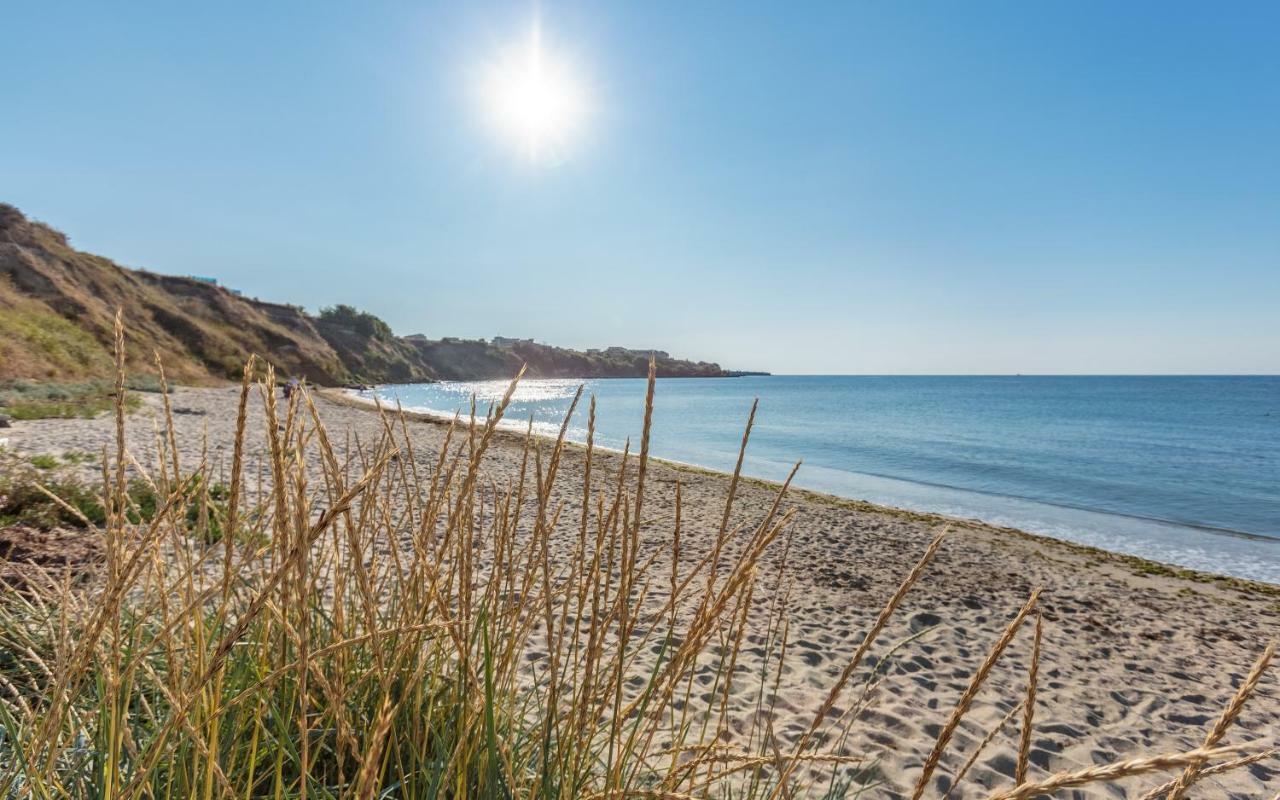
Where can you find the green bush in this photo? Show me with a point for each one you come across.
(22, 501)
(44, 461)
(359, 321)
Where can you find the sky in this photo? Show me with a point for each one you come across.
(885, 188)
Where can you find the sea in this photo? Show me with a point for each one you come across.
(1182, 470)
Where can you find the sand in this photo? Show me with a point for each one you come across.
(1137, 659)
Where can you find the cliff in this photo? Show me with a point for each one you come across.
(57, 306)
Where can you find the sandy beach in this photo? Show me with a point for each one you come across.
(1138, 659)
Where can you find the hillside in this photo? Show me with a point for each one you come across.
(57, 306)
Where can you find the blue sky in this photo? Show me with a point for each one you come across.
(847, 188)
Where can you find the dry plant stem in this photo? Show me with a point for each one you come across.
(1229, 715)
(1112, 772)
(237, 472)
(64, 505)
(973, 759)
(115, 726)
(858, 655)
(168, 415)
(1029, 706)
(1216, 769)
(117, 504)
(544, 528)
(104, 618)
(940, 746)
(242, 624)
(728, 503)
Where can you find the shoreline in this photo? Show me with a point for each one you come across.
(1140, 564)
(1138, 658)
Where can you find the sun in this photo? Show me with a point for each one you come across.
(534, 99)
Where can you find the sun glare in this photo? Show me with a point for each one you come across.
(534, 100)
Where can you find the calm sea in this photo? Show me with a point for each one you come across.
(1184, 470)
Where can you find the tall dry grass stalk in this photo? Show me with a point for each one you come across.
(981, 748)
(1029, 705)
(1112, 772)
(863, 648)
(1216, 769)
(365, 621)
(966, 699)
(1225, 721)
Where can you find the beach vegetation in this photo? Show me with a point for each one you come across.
(361, 322)
(31, 496)
(39, 492)
(79, 457)
(395, 624)
(27, 399)
(44, 461)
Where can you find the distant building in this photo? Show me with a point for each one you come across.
(507, 341)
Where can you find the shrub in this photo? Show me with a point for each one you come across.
(203, 513)
(361, 322)
(22, 501)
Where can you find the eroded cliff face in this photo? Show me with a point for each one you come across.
(58, 304)
(57, 309)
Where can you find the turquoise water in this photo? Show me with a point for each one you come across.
(1180, 469)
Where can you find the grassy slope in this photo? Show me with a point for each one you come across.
(57, 304)
(36, 342)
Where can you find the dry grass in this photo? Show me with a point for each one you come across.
(1029, 705)
(1111, 772)
(408, 633)
(966, 699)
(982, 746)
(1228, 717)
